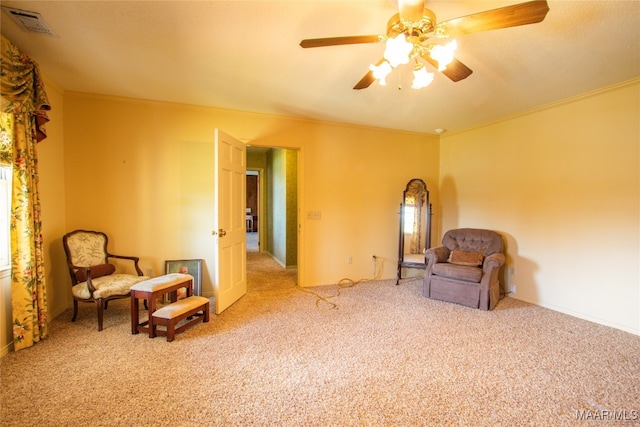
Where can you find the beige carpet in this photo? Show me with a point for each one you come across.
(385, 356)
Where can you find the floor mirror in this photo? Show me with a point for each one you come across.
(415, 227)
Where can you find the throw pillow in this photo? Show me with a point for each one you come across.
(96, 271)
(473, 259)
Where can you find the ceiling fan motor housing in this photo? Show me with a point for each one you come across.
(417, 32)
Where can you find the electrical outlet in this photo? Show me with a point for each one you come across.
(512, 289)
(349, 260)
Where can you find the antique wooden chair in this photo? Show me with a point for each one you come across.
(93, 278)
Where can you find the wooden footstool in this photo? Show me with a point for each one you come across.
(170, 315)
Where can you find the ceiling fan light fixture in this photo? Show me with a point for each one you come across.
(409, 31)
(398, 50)
(444, 54)
(421, 78)
(381, 72)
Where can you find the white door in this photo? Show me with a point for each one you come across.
(230, 200)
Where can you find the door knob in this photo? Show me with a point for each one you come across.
(222, 233)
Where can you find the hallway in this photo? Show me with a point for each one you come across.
(252, 241)
(265, 274)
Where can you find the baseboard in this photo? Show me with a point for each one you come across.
(6, 349)
(579, 315)
(280, 263)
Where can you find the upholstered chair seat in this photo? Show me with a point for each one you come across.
(458, 272)
(107, 286)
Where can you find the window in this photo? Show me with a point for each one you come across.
(6, 142)
(5, 212)
(409, 219)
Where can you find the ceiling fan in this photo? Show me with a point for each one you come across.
(410, 33)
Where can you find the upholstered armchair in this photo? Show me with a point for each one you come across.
(465, 269)
(93, 278)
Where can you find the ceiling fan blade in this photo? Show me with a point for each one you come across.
(368, 79)
(510, 16)
(365, 82)
(336, 41)
(456, 70)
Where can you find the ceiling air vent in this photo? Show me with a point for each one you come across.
(30, 21)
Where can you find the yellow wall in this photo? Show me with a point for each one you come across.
(562, 185)
(143, 172)
(282, 221)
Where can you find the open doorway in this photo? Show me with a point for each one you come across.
(272, 214)
(252, 210)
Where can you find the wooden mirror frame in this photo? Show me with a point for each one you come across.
(415, 190)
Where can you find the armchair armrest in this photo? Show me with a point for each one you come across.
(90, 286)
(437, 254)
(86, 274)
(135, 260)
(493, 261)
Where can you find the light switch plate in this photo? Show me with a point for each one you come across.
(314, 215)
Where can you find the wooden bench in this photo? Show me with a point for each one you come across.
(150, 290)
(170, 315)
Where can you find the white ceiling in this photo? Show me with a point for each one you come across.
(245, 55)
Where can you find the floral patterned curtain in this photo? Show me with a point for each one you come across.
(24, 104)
